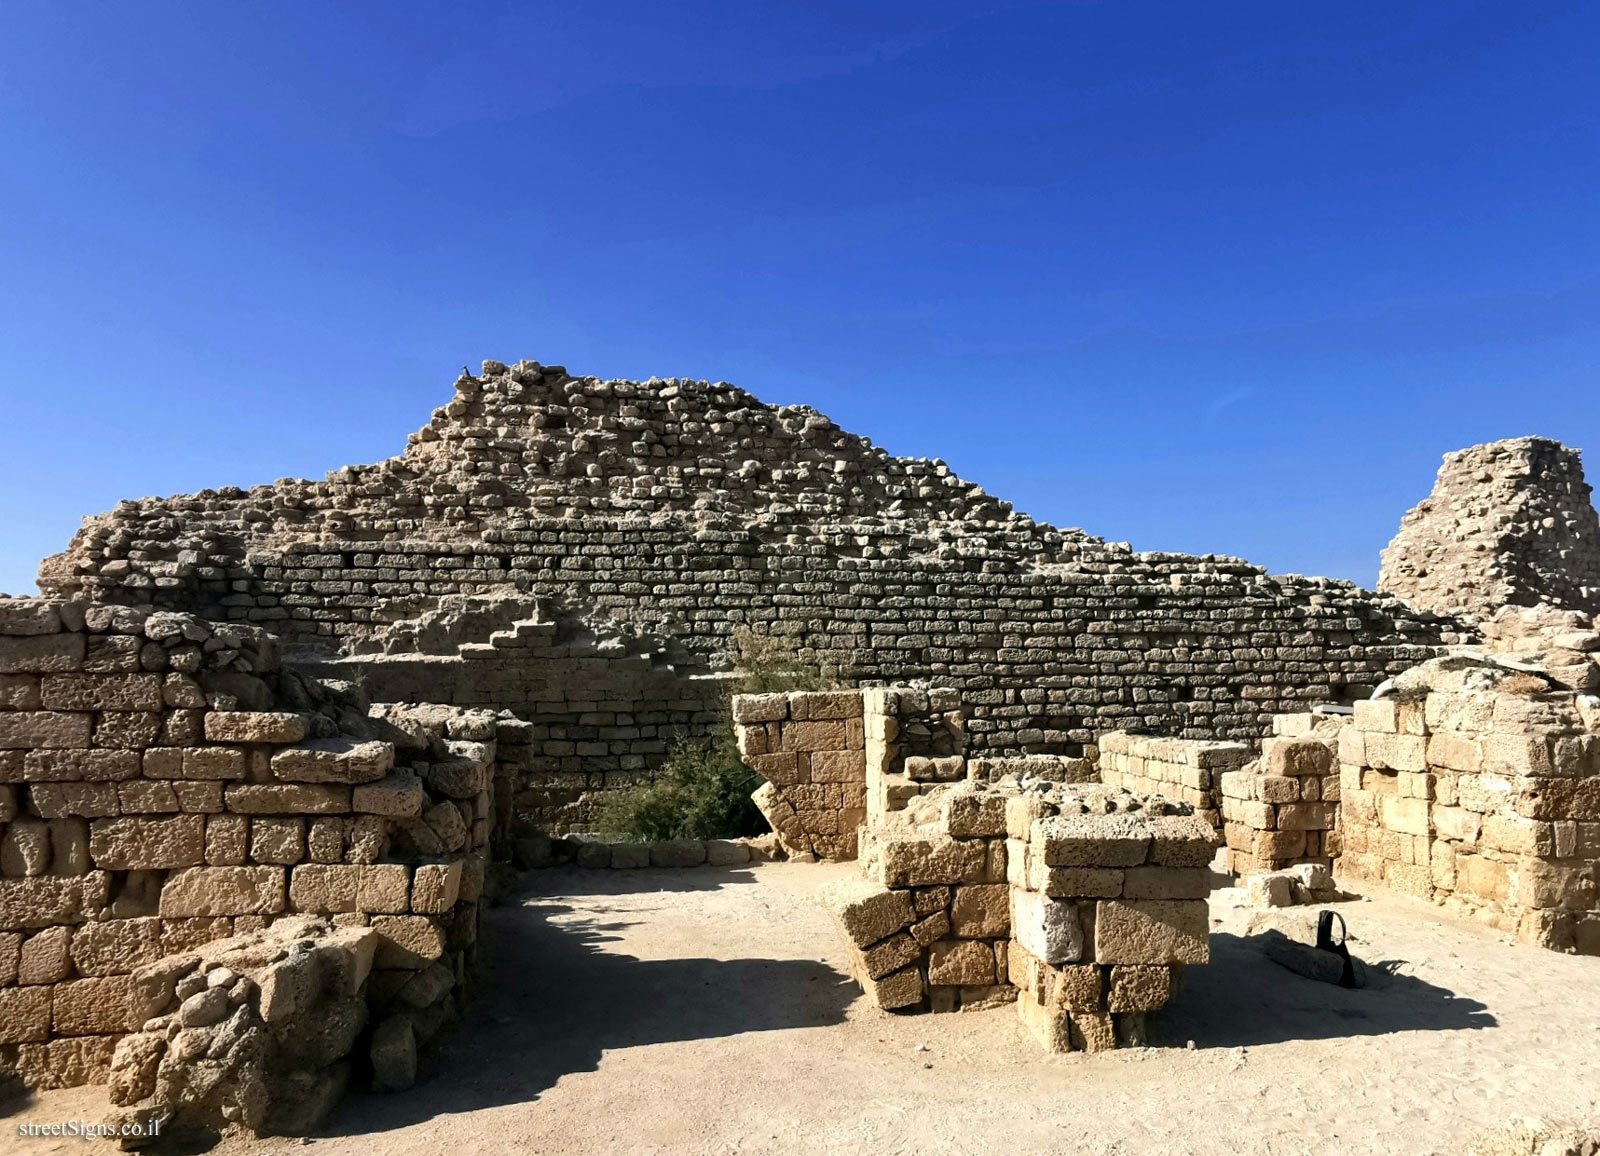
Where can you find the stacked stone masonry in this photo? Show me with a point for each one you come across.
(1480, 792)
(1509, 523)
(1282, 809)
(1077, 901)
(665, 514)
(1182, 769)
(164, 784)
(810, 746)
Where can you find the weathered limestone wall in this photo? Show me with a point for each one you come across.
(810, 746)
(1483, 798)
(1508, 523)
(1282, 809)
(163, 784)
(1182, 769)
(1077, 901)
(678, 510)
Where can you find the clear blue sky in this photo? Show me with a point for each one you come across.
(1211, 277)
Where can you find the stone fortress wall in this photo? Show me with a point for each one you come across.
(645, 521)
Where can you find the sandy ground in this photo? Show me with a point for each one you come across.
(708, 1011)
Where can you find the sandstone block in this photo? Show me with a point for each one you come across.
(1165, 883)
(24, 1014)
(141, 692)
(1092, 840)
(93, 1007)
(411, 942)
(961, 961)
(758, 708)
(245, 726)
(920, 862)
(981, 911)
(279, 841)
(50, 900)
(838, 766)
(888, 955)
(865, 910)
(34, 729)
(1136, 988)
(148, 843)
(44, 956)
(1151, 931)
(286, 799)
(199, 891)
(328, 888)
(81, 800)
(333, 760)
(398, 795)
(435, 887)
(42, 654)
(822, 735)
(214, 763)
(900, 989)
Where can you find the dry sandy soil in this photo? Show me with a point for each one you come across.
(708, 1011)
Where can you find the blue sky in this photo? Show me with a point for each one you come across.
(1209, 277)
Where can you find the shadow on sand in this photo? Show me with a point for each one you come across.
(551, 1000)
(1242, 998)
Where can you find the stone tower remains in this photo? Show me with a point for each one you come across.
(1508, 523)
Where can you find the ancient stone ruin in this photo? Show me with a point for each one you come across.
(579, 551)
(1508, 524)
(264, 753)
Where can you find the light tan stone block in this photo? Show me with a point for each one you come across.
(981, 911)
(287, 799)
(1165, 883)
(1151, 931)
(44, 957)
(226, 763)
(411, 942)
(867, 911)
(147, 842)
(93, 1007)
(200, 891)
(80, 800)
(435, 887)
(101, 692)
(24, 1014)
(246, 726)
(900, 989)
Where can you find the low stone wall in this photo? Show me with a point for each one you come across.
(1282, 809)
(1480, 789)
(163, 785)
(1078, 901)
(810, 746)
(1185, 770)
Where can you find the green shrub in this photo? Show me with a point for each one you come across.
(703, 789)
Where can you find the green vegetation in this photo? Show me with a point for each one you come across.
(703, 789)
